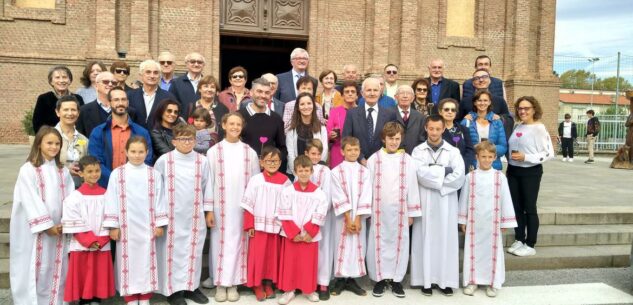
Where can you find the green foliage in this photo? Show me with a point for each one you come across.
(622, 110)
(581, 79)
(610, 83)
(27, 122)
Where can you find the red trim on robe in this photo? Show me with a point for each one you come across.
(86, 189)
(290, 228)
(86, 239)
(276, 178)
(309, 189)
(311, 229)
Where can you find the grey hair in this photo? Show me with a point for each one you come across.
(146, 64)
(188, 56)
(403, 88)
(368, 80)
(260, 82)
(270, 77)
(62, 69)
(298, 51)
(101, 75)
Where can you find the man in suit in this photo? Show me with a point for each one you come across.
(286, 90)
(95, 113)
(496, 85)
(185, 88)
(441, 87)
(411, 119)
(366, 122)
(146, 98)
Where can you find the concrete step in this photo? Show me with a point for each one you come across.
(572, 257)
(5, 217)
(4, 245)
(595, 215)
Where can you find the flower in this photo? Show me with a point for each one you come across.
(81, 142)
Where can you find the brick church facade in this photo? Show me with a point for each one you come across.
(37, 34)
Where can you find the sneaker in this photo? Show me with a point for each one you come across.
(196, 296)
(260, 295)
(287, 297)
(491, 292)
(177, 298)
(135, 302)
(379, 288)
(339, 286)
(220, 294)
(570, 159)
(312, 297)
(525, 251)
(427, 291)
(448, 291)
(516, 245)
(397, 290)
(232, 294)
(352, 286)
(470, 289)
(143, 302)
(589, 161)
(564, 159)
(268, 289)
(324, 293)
(208, 283)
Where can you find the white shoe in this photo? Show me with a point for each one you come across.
(220, 294)
(143, 302)
(208, 283)
(470, 289)
(564, 159)
(287, 297)
(491, 292)
(571, 160)
(312, 297)
(525, 251)
(232, 294)
(516, 245)
(95, 303)
(135, 302)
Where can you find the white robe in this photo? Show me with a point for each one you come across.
(84, 213)
(38, 261)
(434, 243)
(395, 199)
(231, 165)
(185, 178)
(485, 206)
(302, 208)
(351, 191)
(322, 177)
(261, 199)
(135, 205)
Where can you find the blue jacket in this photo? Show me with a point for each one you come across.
(100, 147)
(496, 136)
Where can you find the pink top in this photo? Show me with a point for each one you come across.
(336, 121)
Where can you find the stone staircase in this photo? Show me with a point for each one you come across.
(569, 237)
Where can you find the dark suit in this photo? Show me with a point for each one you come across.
(92, 114)
(286, 87)
(414, 133)
(137, 101)
(182, 89)
(448, 89)
(356, 126)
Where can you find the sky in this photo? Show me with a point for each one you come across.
(594, 28)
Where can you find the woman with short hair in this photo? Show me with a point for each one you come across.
(59, 78)
(234, 95)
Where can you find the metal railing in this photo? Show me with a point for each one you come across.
(612, 132)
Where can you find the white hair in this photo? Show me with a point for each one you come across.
(146, 64)
(298, 51)
(166, 54)
(349, 66)
(367, 80)
(270, 77)
(102, 75)
(403, 88)
(188, 56)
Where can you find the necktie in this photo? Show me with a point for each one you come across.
(405, 117)
(370, 124)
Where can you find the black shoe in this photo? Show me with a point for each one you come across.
(352, 286)
(177, 299)
(397, 290)
(590, 161)
(448, 291)
(339, 286)
(427, 291)
(197, 296)
(379, 288)
(324, 295)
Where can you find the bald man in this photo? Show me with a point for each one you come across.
(185, 88)
(441, 87)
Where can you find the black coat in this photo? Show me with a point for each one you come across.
(44, 111)
(461, 139)
(182, 89)
(137, 102)
(356, 126)
(449, 89)
(414, 133)
(161, 142)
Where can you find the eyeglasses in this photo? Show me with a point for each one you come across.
(185, 140)
(193, 61)
(237, 76)
(109, 82)
(421, 90)
(172, 111)
(481, 78)
(392, 72)
(165, 62)
(449, 109)
(300, 58)
(122, 71)
(526, 109)
(272, 162)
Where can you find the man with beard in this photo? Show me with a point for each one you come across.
(107, 140)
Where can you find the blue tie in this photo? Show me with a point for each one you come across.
(370, 124)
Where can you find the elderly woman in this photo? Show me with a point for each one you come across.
(422, 101)
(167, 116)
(337, 120)
(208, 88)
(233, 96)
(456, 134)
(329, 97)
(60, 78)
(89, 81)
(74, 144)
(121, 71)
(530, 147)
(485, 126)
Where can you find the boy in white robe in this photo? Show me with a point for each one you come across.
(396, 201)
(485, 209)
(434, 243)
(185, 174)
(351, 200)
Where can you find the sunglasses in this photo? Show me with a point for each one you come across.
(163, 62)
(122, 71)
(200, 62)
(449, 109)
(109, 82)
(172, 111)
(237, 76)
(421, 90)
(392, 72)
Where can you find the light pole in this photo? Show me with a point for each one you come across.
(593, 80)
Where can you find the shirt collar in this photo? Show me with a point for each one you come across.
(59, 128)
(252, 112)
(367, 107)
(106, 108)
(295, 73)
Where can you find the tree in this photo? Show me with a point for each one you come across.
(622, 110)
(610, 83)
(576, 79)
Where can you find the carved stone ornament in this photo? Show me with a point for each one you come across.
(288, 14)
(242, 12)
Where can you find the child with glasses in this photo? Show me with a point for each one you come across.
(260, 205)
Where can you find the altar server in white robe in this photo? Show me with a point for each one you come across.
(351, 201)
(135, 214)
(39, 252)
(396, 201)
(231, 164)
(185, 174)
(485, 209)
(434, 245)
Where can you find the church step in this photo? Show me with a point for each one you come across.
(572, 257)
(595, 215)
